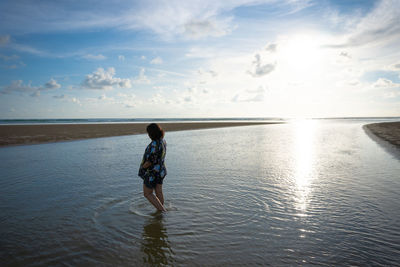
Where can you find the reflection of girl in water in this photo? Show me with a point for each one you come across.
(155, 243)
(152, 169)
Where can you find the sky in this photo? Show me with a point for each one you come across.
(196, 59)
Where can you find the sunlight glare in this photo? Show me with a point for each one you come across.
(302, 56)
(304, 159)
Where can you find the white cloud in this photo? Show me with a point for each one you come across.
(385, 83)
(197, 29)
(12, 61)
(75, 100)
(20, 87)
(103, 97)
(202, 52)
(259, 90)
(94, 57)
(391, 95)
(271, 47)
(121, 58)
(250, 95)
(52, 84)
(127, 100)
(59, 96)
(142, 78)
(191, 19)
(67, 98)
(381, 25)
(260, 69)
(104, 80)
(345, 54)
(394, 67)
(156, 61)
(35, 94)
(210, 73)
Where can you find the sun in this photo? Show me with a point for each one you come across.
(301, 55)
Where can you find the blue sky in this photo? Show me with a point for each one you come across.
(122, 59)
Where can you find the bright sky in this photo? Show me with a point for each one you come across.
(206, 58)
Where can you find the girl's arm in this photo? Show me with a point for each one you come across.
(146, 164)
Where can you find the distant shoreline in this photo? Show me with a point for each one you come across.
(388, 131)
(48, 133)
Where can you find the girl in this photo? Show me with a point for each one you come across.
(152, 169)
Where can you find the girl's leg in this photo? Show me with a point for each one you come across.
(159, 193)
(148, 193)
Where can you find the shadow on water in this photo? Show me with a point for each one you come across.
(388, 147)
(155, 244)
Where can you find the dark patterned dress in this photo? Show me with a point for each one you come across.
(155, 153)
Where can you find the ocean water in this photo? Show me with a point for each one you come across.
(134, 120)
(313, 192)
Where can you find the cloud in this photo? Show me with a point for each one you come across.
(211, 73)
(142, 78)
(381, 25)
(20, 87)
(31, 50)
(103, 97)
(94, 57)
(261, 69)
(121, 58)
(127, 100)
(344, 54)
(385, 83)
(391, 95)
(259, 90)
(199, 29)
(59, 96)
(68, 99)
(75, 100)
(4, 39)
(271, 47)
(52, 84)
(7, 58)
(15, 63)
(35, 94)
(256, 98)
(190, 19)
(156, 61)
(104, 80)
(394, 67)
(255, 95)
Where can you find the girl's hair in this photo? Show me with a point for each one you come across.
(155, 131)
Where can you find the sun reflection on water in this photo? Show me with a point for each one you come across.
(303, 154)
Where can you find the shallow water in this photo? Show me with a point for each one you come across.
(311, 192)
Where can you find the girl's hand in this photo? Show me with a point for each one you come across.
(146, 164)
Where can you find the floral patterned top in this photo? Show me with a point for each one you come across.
(154, 153)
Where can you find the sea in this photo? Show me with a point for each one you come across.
(310, 192)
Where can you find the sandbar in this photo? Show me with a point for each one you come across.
(388, 131)
(47, 133)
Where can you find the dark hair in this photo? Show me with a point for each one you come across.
(155, 131)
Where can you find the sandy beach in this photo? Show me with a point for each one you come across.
(388, 131)
(36, 134)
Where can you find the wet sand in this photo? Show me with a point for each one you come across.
(388, 131)
(36, 134)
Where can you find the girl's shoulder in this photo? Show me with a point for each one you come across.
(163, 142)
